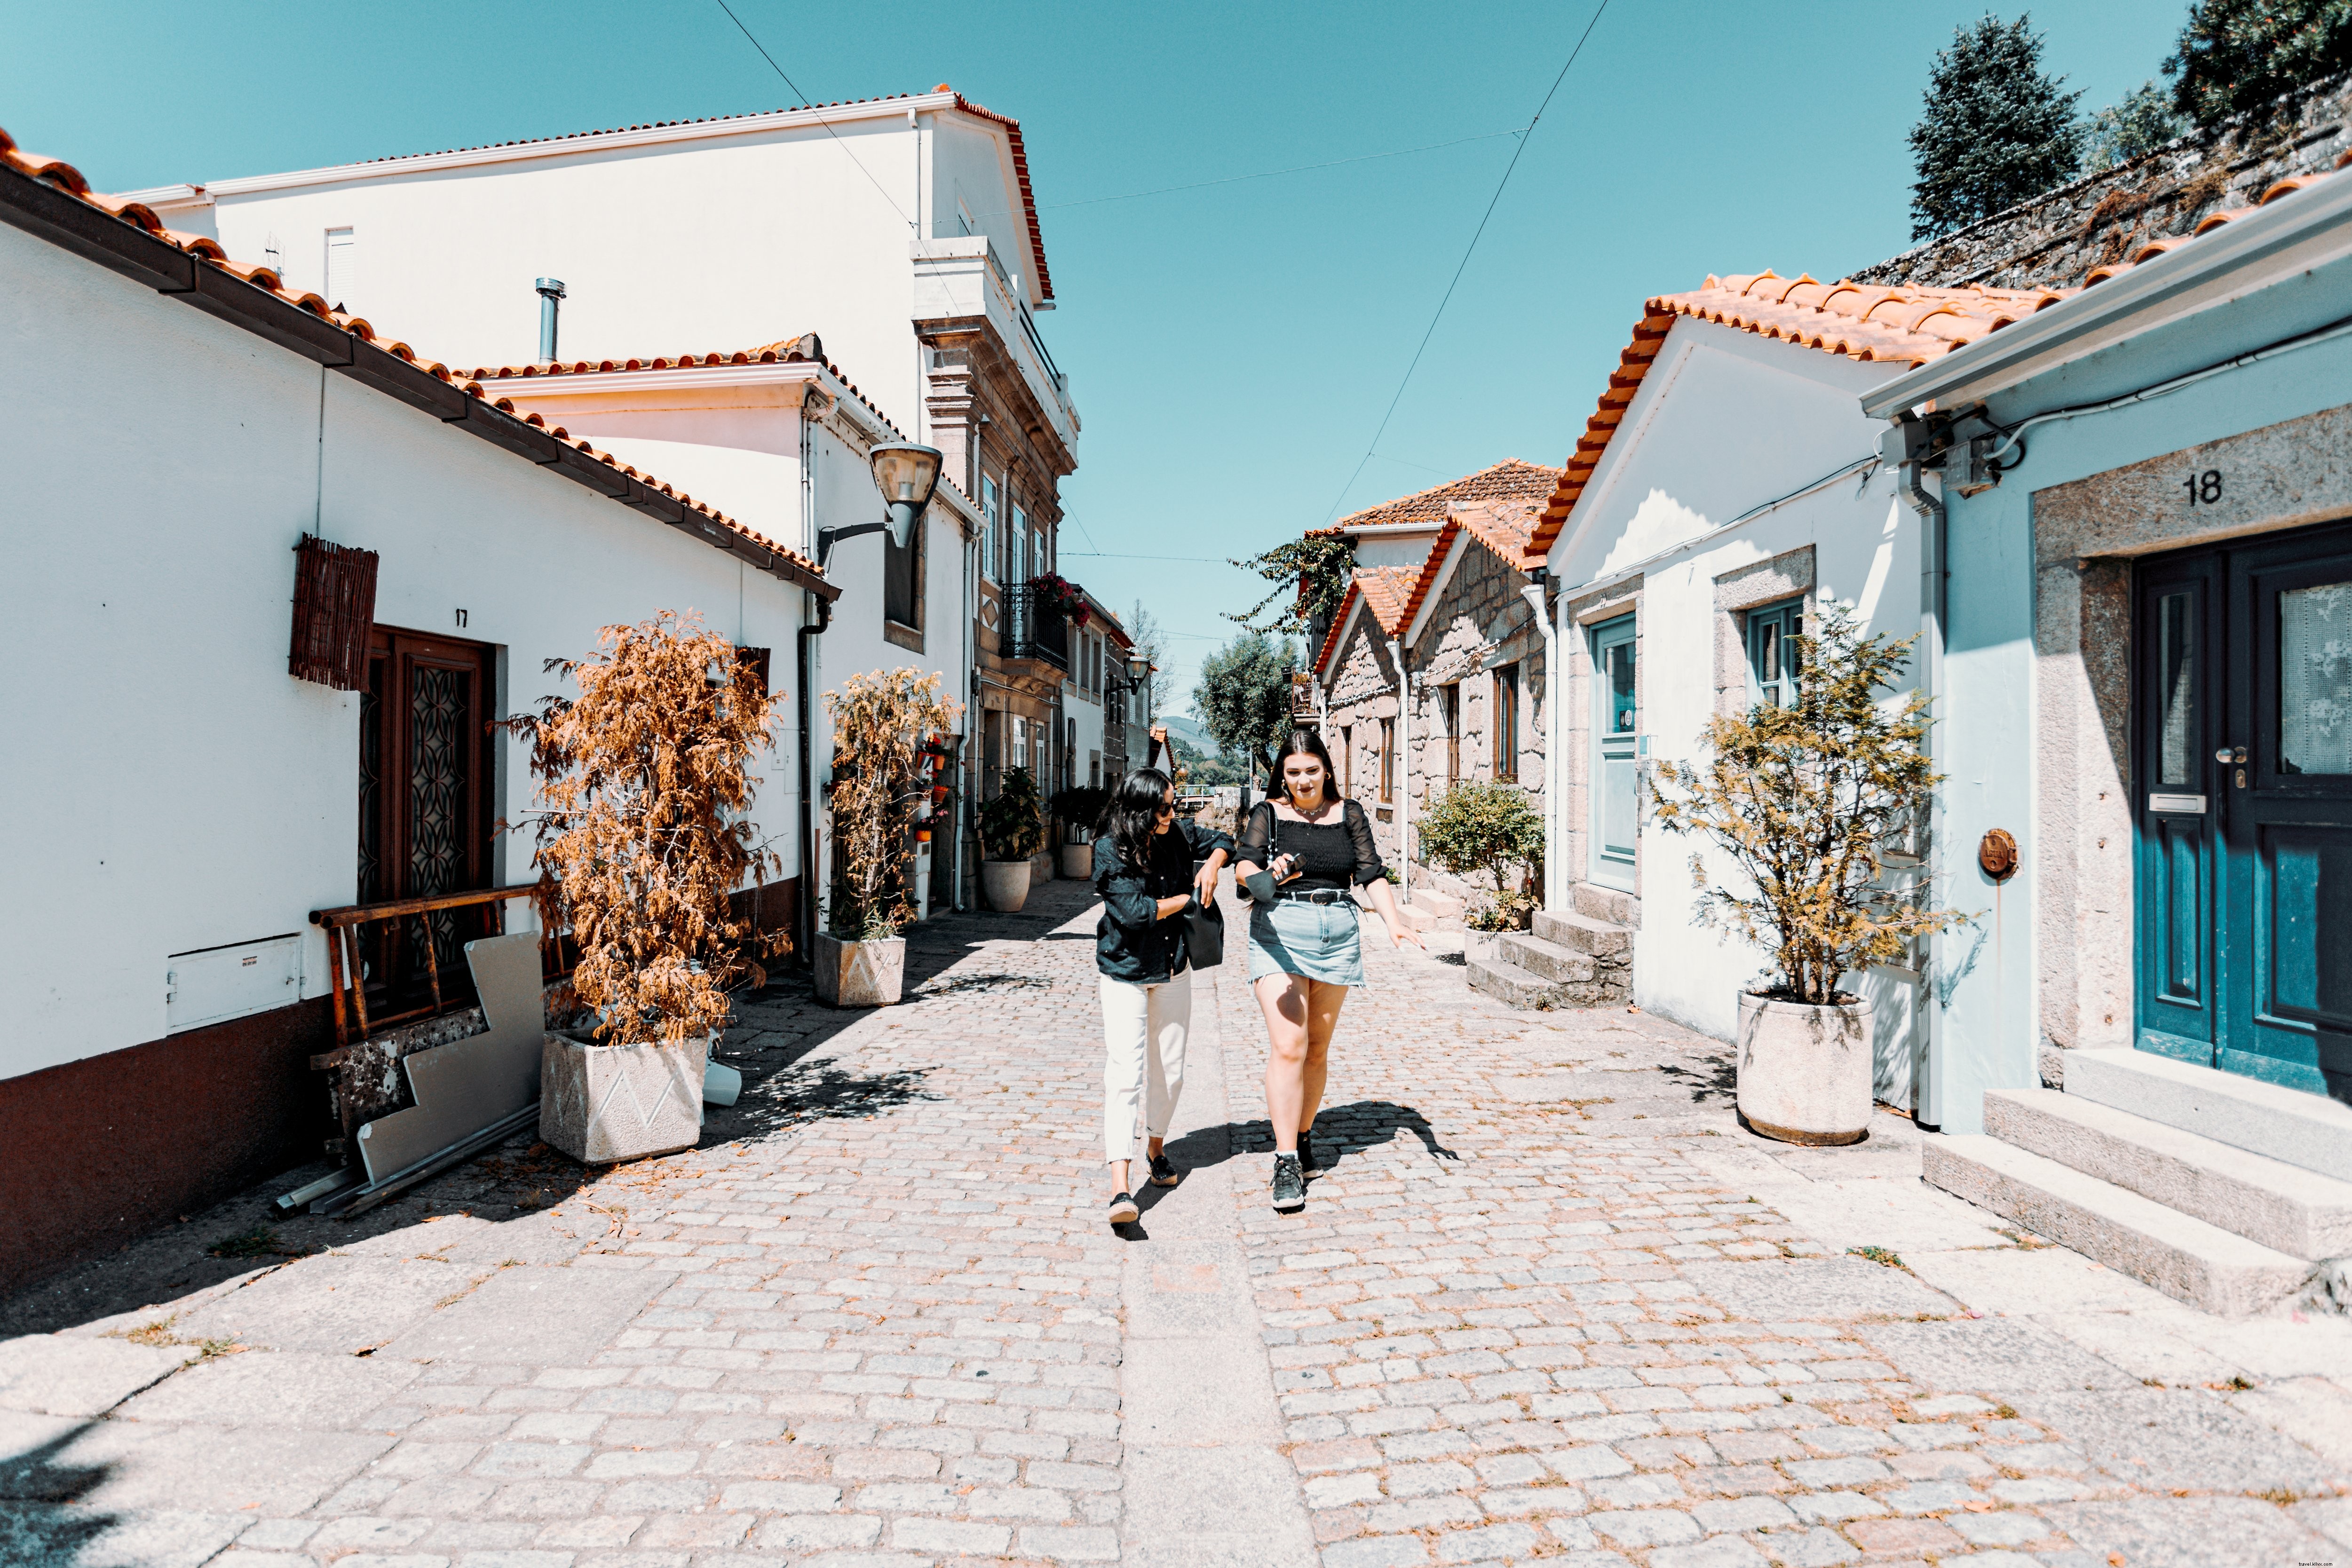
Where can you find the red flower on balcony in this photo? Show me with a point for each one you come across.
(1053, 594)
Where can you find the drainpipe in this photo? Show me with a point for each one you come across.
(807, 705)
(1537, 591)
(964, 760)
(550, 290)
(1912, 445)
(1405, 756)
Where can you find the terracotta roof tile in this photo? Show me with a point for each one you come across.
(1511, 480)
(1383, 590)
(69, 179)
(1505, 530)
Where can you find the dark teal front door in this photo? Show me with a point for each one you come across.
(2242, 753)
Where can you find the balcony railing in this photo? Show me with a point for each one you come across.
(1031, 631)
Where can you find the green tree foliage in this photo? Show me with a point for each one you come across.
(1800, 799)
(2133, 129)
(1243, 696)
(1485, 827)
(1996, 130)
(2240, 57)
(1310, 577)
(1143, 630)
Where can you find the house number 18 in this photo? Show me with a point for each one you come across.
(2204, 489)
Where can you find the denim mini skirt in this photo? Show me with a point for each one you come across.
(1317, 942)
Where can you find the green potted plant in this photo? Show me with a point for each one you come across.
(1799, 801)
(1486, 827)
(881, 791)
(1011, 827)
(643, 833)
(1079, 810)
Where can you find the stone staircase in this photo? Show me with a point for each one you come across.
(1578, 957)
(2219, 1190)
(1431, 910)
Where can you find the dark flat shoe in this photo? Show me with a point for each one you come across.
(1123, 1210)
(1164, 1173)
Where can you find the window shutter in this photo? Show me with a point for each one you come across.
(334, 611)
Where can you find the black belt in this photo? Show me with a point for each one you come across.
(1317, 896)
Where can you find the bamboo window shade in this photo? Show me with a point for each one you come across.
(334, 611)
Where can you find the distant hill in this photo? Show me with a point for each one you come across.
(1187, 729)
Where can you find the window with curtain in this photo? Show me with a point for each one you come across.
(991, 525)
(1507, 722)
(1772, 658)
(1449, 717)
(1017, 566)
(1388, 760)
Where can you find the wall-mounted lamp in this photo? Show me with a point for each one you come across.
(907, 474)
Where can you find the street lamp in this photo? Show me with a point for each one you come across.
(906, 474)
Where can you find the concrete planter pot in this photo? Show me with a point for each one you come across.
(1006, 884)
(605, 1104)
(1804, 1070)
(859, 974)
(1077, 861)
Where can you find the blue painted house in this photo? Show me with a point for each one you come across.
(2142, 496)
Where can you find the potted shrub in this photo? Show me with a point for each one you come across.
(1011, 828)
(1079, 810)
(881, 791)
(645, 787)
(1487, 828)
(1799, 801)
(1488, 923)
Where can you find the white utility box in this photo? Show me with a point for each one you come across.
(212, 984)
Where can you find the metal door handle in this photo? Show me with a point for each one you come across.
(2231, 754)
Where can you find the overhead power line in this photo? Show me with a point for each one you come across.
(821, 119)
(1526, 136)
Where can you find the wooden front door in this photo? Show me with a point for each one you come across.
(2244, 747)
(426, 803)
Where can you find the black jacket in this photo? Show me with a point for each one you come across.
(1131, 942)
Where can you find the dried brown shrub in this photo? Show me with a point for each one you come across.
(879, 724)
(643, 831)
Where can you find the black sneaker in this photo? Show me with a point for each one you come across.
(1123, 1210)
(1308, 1163)
(1164, 1173)
(1289, 1185)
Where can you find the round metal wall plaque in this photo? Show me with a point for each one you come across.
(1997, 855)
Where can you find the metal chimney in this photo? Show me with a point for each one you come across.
(550, 290)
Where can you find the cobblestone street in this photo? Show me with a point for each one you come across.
(1551, 1304)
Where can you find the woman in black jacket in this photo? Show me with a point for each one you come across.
(1144, 873)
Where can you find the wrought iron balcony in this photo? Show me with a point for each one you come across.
(1032, 631)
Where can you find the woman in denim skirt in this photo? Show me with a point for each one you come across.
(1301, 853)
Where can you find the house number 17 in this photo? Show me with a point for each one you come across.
(2204, 489)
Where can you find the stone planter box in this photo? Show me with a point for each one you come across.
(1804, 1072)
(605, 1104)
(1006, 884)
(1077, 861)
(859, 974)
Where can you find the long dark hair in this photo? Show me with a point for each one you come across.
(1134, 812)
(1305, 743)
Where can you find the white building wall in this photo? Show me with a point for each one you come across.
(176, 789)
(1726, 422)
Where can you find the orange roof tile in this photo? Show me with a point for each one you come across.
(1899, 327)
(1511, 480)
(1503, 530)
(1382, 590)
(806, 349)
(67, 178)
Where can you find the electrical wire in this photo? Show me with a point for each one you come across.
(820, 119)
(1526, 136)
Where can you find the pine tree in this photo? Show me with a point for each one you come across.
(2240, 57)
(2137, 126)
(1997, 130)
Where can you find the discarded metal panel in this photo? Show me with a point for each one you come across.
(463, 1087)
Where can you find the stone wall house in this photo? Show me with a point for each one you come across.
(1474, 648)
(1357, 673)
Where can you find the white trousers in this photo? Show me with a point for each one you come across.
(1143, 1065)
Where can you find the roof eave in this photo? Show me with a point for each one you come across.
(2264, 247)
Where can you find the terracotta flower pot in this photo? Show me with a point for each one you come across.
(859, 974)
(1805, 1071)
(1006, 883)
(604, 1104)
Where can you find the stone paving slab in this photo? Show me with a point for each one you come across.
(1550, 1305)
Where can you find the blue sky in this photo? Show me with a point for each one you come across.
(1231, 348)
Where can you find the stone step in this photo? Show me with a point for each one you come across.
(1584, 933)
(2284, 1124)
(2280, 1206)
(1612, 904)
(1441, 906)
(1548, 960)
(1520, 988)
(2178, 1254)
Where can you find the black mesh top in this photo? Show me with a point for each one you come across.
(1332, 854)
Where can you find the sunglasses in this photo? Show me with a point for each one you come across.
(1165, 810)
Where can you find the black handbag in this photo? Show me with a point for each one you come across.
(1204, 934)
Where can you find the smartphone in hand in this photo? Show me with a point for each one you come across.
(1285, 869)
